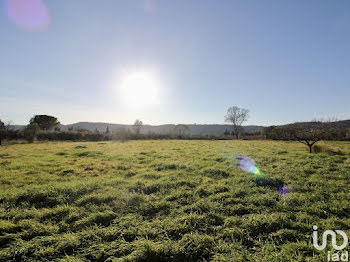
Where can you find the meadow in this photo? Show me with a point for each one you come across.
(169, 200)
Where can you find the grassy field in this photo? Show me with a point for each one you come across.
(169, 201)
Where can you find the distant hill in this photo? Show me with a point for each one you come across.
(162, 129)
(342, 124)
(194, 129)
(336, 124)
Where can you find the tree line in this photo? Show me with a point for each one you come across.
(308, 133)
(45, 127)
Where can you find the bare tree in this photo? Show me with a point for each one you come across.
(237, 116)
(181, 129)
(137, 126)
(309, 133)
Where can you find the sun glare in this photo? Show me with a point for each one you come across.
(139, 89)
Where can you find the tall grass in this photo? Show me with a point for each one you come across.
(170, 200)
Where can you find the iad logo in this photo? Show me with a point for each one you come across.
(334, 239)
(335, 256)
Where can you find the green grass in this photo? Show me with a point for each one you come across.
(169, 201)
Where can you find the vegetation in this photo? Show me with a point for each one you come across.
(3, 131)
(180, 130)
(137, 126)
(334, 131)
(237, 116)
(169, 200)
(45, 122)
(309, 134)
(31, 132)
(45, 128)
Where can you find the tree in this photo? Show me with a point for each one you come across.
(137, 126)
(31, 132)
(309, 133)
(237, 116)
(181, 129)
(275, 133)
(45, 122)
(266, 131)
(280, 133)
(3, 131)
(107, 130)
(121, 133)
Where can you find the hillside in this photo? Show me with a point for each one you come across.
(163, 129)
(160, 129)
(194, 129)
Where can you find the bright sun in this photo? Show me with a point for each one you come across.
(139, 89)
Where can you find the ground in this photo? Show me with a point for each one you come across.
(169, 200)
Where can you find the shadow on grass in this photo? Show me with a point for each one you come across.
(263, 180)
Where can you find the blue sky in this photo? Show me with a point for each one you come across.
(285, 61)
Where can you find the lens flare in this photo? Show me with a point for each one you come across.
(29, 14)
(247, 164)
(284, 190)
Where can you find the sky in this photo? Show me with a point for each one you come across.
(285, 61)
